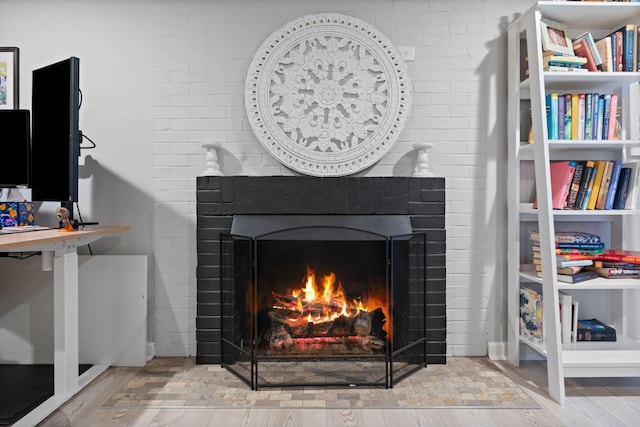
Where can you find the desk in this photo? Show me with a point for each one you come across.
(63, 246)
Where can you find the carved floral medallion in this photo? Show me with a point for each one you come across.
(327, 95)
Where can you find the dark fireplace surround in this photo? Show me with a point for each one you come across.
(221, 198)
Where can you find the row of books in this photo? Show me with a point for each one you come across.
(594, 184)
(572, 328)
(582, 116)
(618, 51)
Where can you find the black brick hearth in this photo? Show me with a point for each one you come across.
(220, 198)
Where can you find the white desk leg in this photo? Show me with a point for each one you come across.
(65, 291)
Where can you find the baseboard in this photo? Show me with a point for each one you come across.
(497, 350)
(151, 350)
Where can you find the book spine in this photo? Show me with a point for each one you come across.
(594, 118)
(606, 116)
(613, 184)
(633, 259)
(612, 116)
(562, 245)
(604, 185)
(593, 197)
(634, 186)
(623, 189)
(581, 115)
(574, 115)
(560, 117)
(567, 117)
(588, 115)
(584, 183)
(628, 37)
(575, 185)
(600, 121)
(581, 48)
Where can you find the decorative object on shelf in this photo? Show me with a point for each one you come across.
(422, 164)
(327, 94)
(213, 168)
(9, 73)
(555, 38)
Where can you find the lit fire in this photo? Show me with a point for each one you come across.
(318, 302)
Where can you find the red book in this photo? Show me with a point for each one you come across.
(561, 177)
(581, 48)
(619, 255)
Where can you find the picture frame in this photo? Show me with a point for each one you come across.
(555, 38)
(9, 78)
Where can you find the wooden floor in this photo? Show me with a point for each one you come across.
(590, 402)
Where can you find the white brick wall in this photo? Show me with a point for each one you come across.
(202, 51)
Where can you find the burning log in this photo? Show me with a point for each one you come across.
(294, 303)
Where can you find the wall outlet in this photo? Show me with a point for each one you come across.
(407, 53)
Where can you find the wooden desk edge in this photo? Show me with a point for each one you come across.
(30, 238)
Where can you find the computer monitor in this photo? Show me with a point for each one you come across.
(15, 148)
(56, 138)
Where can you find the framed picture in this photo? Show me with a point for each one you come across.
(554, 37)
(9, 78)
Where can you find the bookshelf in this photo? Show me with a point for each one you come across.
(610, 300)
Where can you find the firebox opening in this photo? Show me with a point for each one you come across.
(322, 297)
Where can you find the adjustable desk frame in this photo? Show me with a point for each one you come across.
(63, 246)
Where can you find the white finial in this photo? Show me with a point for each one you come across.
(213, 168)
(422, 165)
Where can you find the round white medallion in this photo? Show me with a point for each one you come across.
(327, 94)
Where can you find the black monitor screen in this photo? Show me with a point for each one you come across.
(55, 135)
(15, 148)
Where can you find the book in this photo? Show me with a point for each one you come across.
(575, 305)
(581, 276)
(587, 172)
(587, 195)
(606, 115)
(581, 115)
(588, 115)
(594, 330)
(561, 106)
(575, 251)
(591, 45)
(574, 263)
(600, 120)
(568, 237)
(603, 46)
(628, 45)
(595, 100)
(619, 255)
(634, 184)
(574, 115)
(531, 315)
(552, 115)
(581, 48)
(613, 184)
(615, 264)
(604, 185)
(612, 116)
(593, 197)
(572, 197)
(623, 189)
(561, 174)
(617, 273)
(568, 131)
(565, 317)
(563, 245)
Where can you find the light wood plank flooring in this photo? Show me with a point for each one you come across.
(590, 402)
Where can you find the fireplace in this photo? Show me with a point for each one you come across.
(309, 288)
(266, 244)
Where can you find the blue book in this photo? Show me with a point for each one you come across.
(600, 124)
(594, 116)
(552, 115)
(613, 184)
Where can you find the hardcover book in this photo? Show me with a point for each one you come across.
(582, 276)
(594, 330)
(561, 177)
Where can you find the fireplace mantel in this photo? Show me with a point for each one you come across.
(219, 198)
